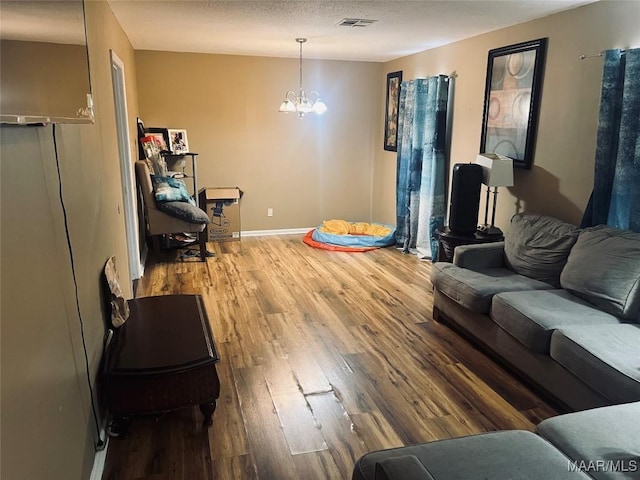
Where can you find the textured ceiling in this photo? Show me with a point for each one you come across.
(269, 28)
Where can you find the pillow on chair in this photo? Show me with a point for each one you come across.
(184, 211)
(167, 189)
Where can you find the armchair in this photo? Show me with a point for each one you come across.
(159, 222)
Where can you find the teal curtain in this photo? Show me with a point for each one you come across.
(615, 199)
(421, 168)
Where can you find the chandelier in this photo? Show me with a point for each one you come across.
(302, 102)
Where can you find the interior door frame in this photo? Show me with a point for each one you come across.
(136, 266)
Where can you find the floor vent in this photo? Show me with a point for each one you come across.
(356, 22)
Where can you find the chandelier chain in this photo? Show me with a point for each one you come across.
(301, 42)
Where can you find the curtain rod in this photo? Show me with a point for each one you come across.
(595, 55)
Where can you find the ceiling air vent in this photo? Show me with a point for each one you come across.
(356, 22)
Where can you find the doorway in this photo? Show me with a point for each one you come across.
(126, 171)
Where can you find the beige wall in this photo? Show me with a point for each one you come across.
(308, 169)
(47, 429)
(562, 175)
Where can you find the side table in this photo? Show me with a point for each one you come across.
(173, 157)
(449, 240)
(163, 358)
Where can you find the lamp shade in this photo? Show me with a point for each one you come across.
(287, 106)
(319, 107)
(497, 170)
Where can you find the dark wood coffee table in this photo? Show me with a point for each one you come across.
(163, 358)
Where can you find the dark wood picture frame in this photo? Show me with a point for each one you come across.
(141, 133)
(512, 101)
(165, 135)
(394, 79)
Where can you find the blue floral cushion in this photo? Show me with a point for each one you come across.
(167, 189)
(184, 211)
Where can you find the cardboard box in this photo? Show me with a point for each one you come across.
(223, 208)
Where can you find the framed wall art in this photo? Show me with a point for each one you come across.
(394, 80)
(178, 141)
(512, 101)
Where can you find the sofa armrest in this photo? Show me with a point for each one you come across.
(483, 255)
(403, 467)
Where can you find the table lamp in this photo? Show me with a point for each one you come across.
(497, 172)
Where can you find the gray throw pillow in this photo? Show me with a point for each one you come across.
(537, 246)
(184, 211)
(604, 269)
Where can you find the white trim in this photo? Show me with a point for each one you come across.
(99, 462)
(143, 259)
(124, 150)
(282, 231)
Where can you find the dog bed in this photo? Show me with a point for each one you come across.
(340, 235)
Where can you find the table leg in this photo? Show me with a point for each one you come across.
(207, 410)
(119, 427)
(202, 240)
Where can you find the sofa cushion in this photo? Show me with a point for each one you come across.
(537, 246)
(474, 289)
(606, 357)
(402, 467)
(531, 317)
(608, 435)
(604, 269)
(512, 454)
(479, 255)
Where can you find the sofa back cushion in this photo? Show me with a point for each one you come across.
(537, 246)
(604, 269)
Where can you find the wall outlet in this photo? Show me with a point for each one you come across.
(269, 212)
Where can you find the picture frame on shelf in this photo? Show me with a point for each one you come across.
(140, 126)
(161, 135)
(141, 133)
(394, 80)
(512, 101)
(178, 142)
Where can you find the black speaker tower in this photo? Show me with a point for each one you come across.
(465, 198)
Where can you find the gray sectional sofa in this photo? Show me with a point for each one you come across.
(559, 305)
(600, 444)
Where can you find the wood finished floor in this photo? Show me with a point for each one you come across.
(324, 356)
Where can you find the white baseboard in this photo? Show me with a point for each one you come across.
(99, 462)
(282, 231)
